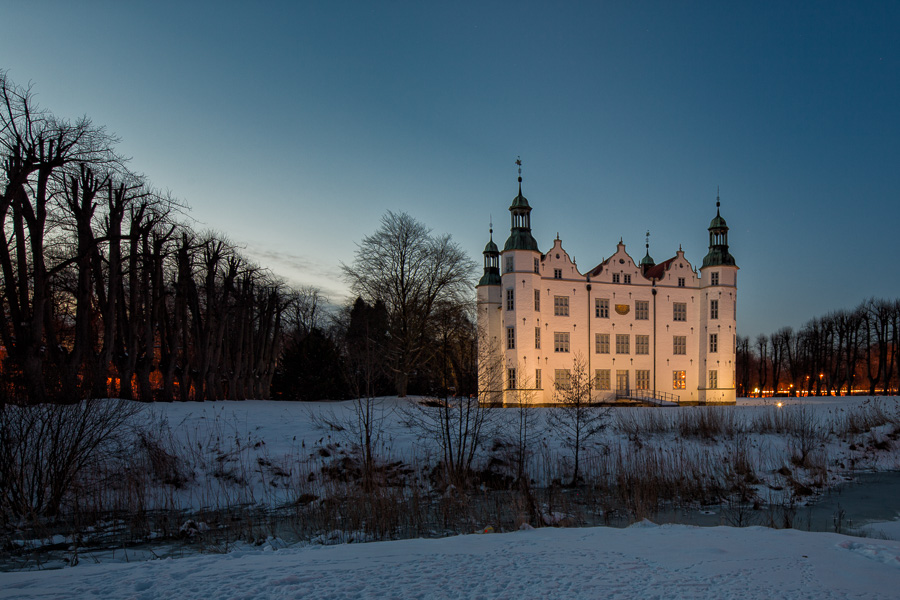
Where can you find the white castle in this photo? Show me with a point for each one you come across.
(647, 331)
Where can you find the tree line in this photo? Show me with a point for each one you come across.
(105, 290)
(844, 352)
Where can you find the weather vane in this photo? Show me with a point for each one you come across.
(519, 164)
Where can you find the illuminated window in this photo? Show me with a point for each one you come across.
(713, 379)
(601, 307)
(642, 380)
(679, 311)
(623, 343)
(679, 344)
(560, 341)
(678, 380)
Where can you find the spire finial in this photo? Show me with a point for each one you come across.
(491, 227)
(717, 200)
(648, 241)
(519, 165)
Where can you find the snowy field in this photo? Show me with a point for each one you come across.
(642, 561)
(764, 460)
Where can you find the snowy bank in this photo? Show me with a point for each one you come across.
(642, 561)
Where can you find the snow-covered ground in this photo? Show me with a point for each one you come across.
(265, 455)
(642, 561)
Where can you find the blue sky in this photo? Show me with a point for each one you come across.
(292, 127)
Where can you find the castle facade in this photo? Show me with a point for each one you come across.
(641, 331)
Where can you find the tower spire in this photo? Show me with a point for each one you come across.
(519, 165)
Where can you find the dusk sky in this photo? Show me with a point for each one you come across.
(293, 127)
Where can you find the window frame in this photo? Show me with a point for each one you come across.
(560, 306)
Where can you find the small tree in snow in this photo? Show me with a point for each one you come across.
(576, 419)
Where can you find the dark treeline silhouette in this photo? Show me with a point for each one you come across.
(104, 292)
(844, 352)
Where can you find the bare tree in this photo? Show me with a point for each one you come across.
(576, 419)
(411, 271)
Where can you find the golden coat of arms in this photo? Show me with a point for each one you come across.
(622, 309)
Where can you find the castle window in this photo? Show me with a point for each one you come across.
(601, 307)
(678, 380)
(557, 273)
(509, 264)
(679, 311)
(642, 379)
(681, 282)
(511, 378)
(537, 265)
(627, 278)
(537, 338)
(510, 299)
(560, 341)
(563, 379)
(601, 379)
(537, 378)
(679, 344)
(561, 306)
(601, 343)
(713, 309)
(623, 343)
(713, 379)
(510, 338)
(537, 300)
(615, 278)
(642, 344)
(714, 342)
(714, 278)
(642, 310)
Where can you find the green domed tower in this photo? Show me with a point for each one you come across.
(520, 237)
(491, 263)
(718, 254)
